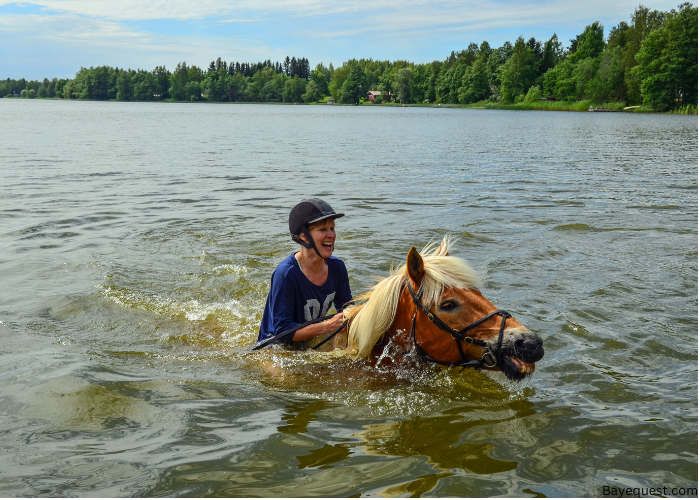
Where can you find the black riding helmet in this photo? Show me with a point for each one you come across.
(306, 213)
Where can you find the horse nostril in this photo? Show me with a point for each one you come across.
(519, 344)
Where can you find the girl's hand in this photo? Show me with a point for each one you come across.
(323, 327)
(334, 323)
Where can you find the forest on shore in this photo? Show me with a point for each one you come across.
(652, 61)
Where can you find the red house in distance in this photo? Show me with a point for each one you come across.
(373, 94)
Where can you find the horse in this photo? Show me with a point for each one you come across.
(432, 307)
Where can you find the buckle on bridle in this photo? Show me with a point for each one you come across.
(489, 357)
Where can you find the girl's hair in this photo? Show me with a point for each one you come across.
(314, 224)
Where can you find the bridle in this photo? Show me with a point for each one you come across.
(489, 359)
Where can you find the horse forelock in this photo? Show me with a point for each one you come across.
(371, 319)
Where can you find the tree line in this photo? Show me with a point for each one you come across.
(221, 81)
(652, 60)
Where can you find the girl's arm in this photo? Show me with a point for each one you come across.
(328, 326)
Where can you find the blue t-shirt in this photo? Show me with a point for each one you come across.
(294, 300)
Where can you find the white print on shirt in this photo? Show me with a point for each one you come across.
(312, 307)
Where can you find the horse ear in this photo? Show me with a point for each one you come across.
(414, 264)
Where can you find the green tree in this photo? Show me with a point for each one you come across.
(266, 85)
(318, 76)
(609, 82)
(195, 74)
(456, 75)
(293, 90)
(178, 82)
(33, 84)
(433, 73)
(449, 83)
(193, 91)
(125, 87)
(235, 86)
(6, 88)
(403, 84)
(497, 59)
(643, 22)
(51, 89)
(682, 54)
(387, 84)
(373, 70)
(583, 73)
(618, 36)
(338, 79)
(80, 85)
(312, 94)
(273, 90)
(95, 83)
(560, 82)
(484, 51)
(519, 71)
(163, 78)
(419, 82)
(668, 61)
(552, 54)
(214, 82)
(60, 84)
(145, 86)
(591, 42)
(442, 84)
(475, 83)
(354, 86)
(534, 94)
(68, 90)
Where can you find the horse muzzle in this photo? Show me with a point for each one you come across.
(519, 353)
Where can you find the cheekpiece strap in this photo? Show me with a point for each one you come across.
(488, 359)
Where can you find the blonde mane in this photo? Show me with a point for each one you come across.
(371, 319)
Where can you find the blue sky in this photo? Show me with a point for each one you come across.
(54, 38)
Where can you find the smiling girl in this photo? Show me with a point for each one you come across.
(305, 284)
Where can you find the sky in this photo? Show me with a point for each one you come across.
(55, 38)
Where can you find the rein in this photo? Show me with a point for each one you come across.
(288, 334)
(489, 359)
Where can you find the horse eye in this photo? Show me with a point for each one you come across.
(448, 305)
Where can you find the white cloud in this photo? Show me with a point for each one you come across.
(83, 41)
(479, 16)
(73, 29)
(135, 10)
(387, 10)
(118, 32)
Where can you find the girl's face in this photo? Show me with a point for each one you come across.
(323, 234)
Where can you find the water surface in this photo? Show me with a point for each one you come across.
(137, 242)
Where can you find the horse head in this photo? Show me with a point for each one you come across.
(439, 310)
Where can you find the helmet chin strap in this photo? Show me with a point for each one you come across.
(309, 243)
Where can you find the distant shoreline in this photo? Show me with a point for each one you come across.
(577, 106)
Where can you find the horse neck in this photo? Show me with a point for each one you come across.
(400, 330)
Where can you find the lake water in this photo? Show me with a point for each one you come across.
(137, 241)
